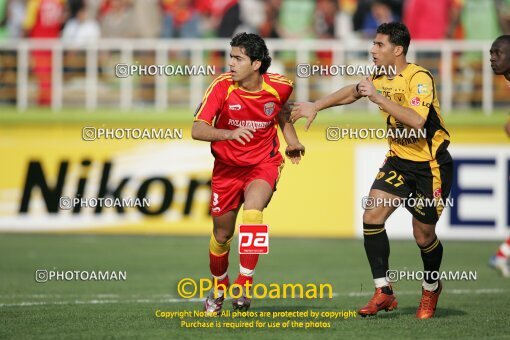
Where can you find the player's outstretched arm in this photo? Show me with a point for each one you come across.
(307, 110)
(294, 149)
(205, 132)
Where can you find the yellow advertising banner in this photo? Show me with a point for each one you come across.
(45, 165)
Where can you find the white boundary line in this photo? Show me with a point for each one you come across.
(164, 298)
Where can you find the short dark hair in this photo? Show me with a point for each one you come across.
(504, 38)
(398, 34)
(254, 47)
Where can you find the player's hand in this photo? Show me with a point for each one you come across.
(303, 110)
(294, 152)
(243, 135)
(367, 89)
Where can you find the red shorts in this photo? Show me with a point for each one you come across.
(230, 182)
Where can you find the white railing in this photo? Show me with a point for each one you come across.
(302, 49)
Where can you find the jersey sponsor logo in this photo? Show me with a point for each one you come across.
(438, 193)
(415, 101)
(269, 108)
(419, 205)
(249, 124)
(425, 104)
(423, 89)
(253, 239)
(404, 141)
(235, 107)
(397, 135)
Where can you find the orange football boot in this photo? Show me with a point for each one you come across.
(428, 302)
(379, 302)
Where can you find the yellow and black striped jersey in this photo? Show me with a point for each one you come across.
(414, 88)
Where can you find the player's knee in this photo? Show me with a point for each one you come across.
(222, 236)
(423, 238)
(373, 217)
(256, 202)
(422, 241)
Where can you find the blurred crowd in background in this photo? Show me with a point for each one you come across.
(86, 21)
(89, 20)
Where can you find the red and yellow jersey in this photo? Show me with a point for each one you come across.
(226, 106)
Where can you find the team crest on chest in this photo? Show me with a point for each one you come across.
(269, 108)
(399, 98)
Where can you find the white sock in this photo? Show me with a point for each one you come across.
(380, 282)
(219, 278)
(505, 249)
(430, 286)
(246, 271)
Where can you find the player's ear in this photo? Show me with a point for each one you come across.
(398, 50)
(256, 65)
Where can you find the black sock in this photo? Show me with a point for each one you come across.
(377, 247)
(387, 290)
(431, 255)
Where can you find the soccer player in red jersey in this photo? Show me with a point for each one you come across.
(239, 115)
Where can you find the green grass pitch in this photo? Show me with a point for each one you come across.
(9, 115)
(154, 265)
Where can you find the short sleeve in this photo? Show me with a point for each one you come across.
(212, 102)
(421, 93)
(287, 91)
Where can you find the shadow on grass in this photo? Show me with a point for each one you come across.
(411, 311)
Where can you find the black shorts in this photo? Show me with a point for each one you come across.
(425, 185)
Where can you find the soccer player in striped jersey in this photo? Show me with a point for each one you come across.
(239, 115)
(415, 167)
